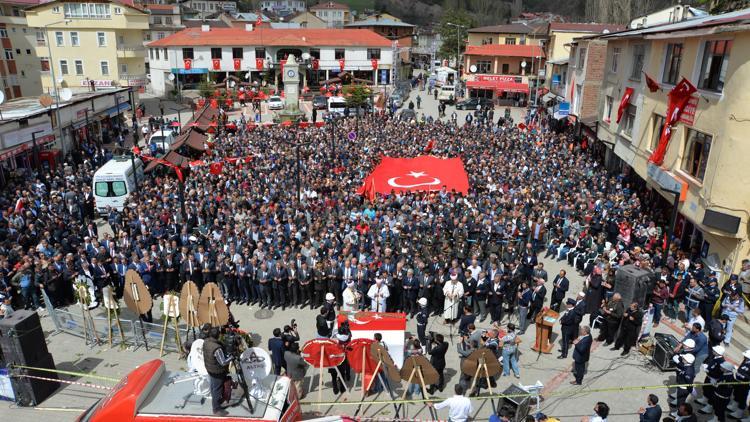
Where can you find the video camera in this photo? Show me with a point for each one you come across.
(232, 344)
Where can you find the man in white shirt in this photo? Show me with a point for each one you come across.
(459, 406)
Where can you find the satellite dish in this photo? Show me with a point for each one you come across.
(45, 100)
(606, 31)
(473, 68)
(66, 94)
(523, 63)
(2, 97)
(171, 76)
(305, 56)
(247, 76)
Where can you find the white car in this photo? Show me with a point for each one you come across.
(275, 103)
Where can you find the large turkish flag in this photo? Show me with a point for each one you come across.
(423, 173)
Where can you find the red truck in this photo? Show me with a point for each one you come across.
(152, 394)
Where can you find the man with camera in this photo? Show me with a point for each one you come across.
(437, 347)
(217, 366)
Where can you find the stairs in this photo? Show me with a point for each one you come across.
(740, 339)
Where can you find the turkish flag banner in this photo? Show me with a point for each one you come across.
(624, 103)
(188, 64)
(259, 64)
(216, 63)
(237, 64)
(214, 103)
(374, 64)
(315, 64)
(282, 63)
(391, 326)
(342, 63)
(652, 85)
(678, 98)
(215, 168)
(423, 173)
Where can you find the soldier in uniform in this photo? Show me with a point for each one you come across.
(422, 318)
(713, 375)
(740, 390)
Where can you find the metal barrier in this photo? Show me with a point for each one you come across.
(154, 335)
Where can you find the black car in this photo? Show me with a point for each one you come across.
(471, 103)
(320, 102)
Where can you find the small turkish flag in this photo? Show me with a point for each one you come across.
(259, 64)
(315, 64)
(214, 103)
(188, 64)
(653, 86)
(341, 64)
(374, 64)
(229, 102)
(430, 146)
(201, 103)
(259, 21)
(216, 63)
(217, 93)
(237, 64)
(215, 168)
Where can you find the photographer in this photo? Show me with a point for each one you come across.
(217, 366)
(290, 335)
(437, 348)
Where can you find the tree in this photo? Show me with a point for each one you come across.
(724, 6)
(205, 89)
(357, 95)
(453, 30)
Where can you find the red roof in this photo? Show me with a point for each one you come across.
(264, 36)
(505, 50)
(169, 7)
(329, 5)
(585, 27)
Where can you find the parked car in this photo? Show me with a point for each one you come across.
(407, 114)
(275, 103)
(320, 102)
(397, 100)
(472, 103)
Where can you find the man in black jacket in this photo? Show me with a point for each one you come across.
(560, 286)
(217, 368)
(581, 353)
(537, 299)
(716, 330)
(568, 324)
(629, 329)
(437, 348)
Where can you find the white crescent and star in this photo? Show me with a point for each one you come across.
(393, 181)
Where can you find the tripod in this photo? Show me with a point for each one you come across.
(242, 382)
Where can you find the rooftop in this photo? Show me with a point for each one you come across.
(585, 27)
(505, 50)
(25, 107)
(329, 5)
(198, 23)
(513, 28)
(378, 22)
(698, 26)
(273, 37)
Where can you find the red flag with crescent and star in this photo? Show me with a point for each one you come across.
(624, 103)
(678, 98)
(188, 63)
(423, 173)
(652, 85)
(237, 64)
(216, 63)
(259, 64)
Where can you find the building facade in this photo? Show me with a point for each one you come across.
(205, 8)
(308, 20)
(283, 7)
(90, 44)
(335, 15)
(585, 75)
(706, 157)
(511, 34)
(197, 54)
(164, 20)
(19, 64)
(505, 73)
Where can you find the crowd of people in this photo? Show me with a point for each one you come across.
(463, 257)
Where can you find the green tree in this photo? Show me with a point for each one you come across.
(357, 95)
(723, 6)
(453, 29)
(205, 89)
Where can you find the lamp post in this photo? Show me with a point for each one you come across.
(533, 34)
(179, 114)
(458, 43)
(297, 145)
(54, 81)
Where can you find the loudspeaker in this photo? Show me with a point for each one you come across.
(664, 345)
(22, 339)
(634, 284)
(32, 391)
(516, 408)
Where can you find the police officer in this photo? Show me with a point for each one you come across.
(330, 310)
(422, 317)
(723, 391)
(741, 390)
(713, 375)
(685, 377)
(217, 367)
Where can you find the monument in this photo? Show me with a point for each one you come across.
(291, 111)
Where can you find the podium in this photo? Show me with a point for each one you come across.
(544, 321)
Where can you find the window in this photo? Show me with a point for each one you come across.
(506, 68)
(484, 66)
(104, 67)
(608, 104)
(187, 53)
(156, 53)
(160, 35)
(151, 53)
(59, 40)
(672, 64)
(165, 53)
(56, 9)
(628, 120)
(8, 54)
(714, 65)
(146, 36)
(522, 40)
(3, 33)
(373, 53)
(168, 20)
(87, 11)
(237, 53)
(696, 153)
(216, 53)
(157, 20)
(581, 57)
(615, 59)
(101, 39)
(339, 53)
(74, 41)
(123, 68)
(639, 53)
(260, 53)
(110, 189)
(118, 11)
(64, 67)
(28, 51)
(315, 53)
(79, 67)
(657, 125)
(41, 40)
(44, 64)
(510, 41)
(18, 51)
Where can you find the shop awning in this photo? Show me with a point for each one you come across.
(500, 86)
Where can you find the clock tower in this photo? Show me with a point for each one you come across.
(291, 83)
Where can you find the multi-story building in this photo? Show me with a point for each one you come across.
(503, 72)
(511, 34)
(583, 80)
(90, 44)
(335, 15)
(392, 29)
(308, 20)
(210, 7)
(197, 54)
(19, 64)
(706, 156)
(283, 7)
(164, 20)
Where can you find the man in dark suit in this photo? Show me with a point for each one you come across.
(652, 411)
(537, 299)
(437, 348)
(581, 353)
(190, 270)
(568, 324)
(276, 347)
(560, 286)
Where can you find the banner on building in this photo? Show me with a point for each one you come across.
(678, 99)
(624, 103)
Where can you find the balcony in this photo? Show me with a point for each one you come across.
(131, 52)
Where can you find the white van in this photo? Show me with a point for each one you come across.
(447, 94)
(336, 105)
(163, 140)
(115, 181)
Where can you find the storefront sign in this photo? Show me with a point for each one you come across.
(498, 78)
(137, 82)
(97, 82)
(555, 79)
(80, 114)
(191, 71)
(383, 76)
(688, 113)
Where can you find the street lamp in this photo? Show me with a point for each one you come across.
(179, 115)
(297, 145)
(536, 80)
(54, 80)
(458, 43)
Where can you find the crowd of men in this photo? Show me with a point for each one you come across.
(532, 191)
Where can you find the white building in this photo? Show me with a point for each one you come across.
(209, 7)
(672, 14)
(283, 6)
(195, 54)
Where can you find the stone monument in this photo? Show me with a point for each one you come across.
(291, 91)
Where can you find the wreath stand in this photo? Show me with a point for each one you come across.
(171, 312)
(84, 298)
(112, 307)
